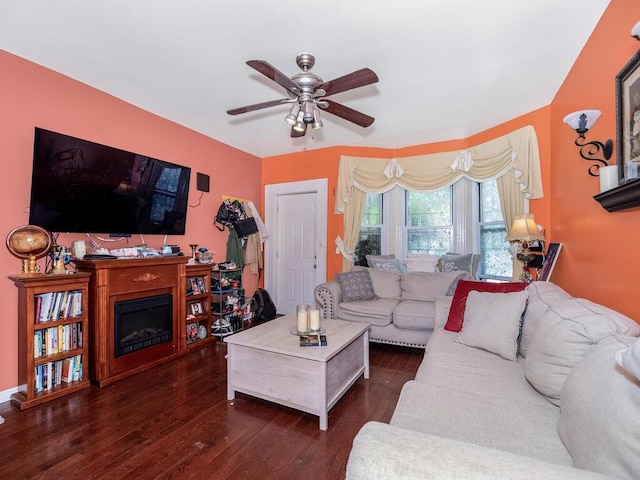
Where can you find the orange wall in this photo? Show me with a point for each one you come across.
(598, 260)
(323, 163)
(31, 96)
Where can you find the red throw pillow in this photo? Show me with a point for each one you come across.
(459, 302)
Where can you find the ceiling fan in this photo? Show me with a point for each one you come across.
(308, 94)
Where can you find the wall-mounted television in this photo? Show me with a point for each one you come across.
(86, 187)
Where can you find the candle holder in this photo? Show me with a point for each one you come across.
(314, 320)
(302, 319)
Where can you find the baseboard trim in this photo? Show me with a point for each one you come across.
(5, 396)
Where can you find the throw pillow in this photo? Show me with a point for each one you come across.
(380, 257)
(456, 314)
(389, 264)
(564, 335)
(422, 263)
(492, 322)
(453, 262)
(600, 413)
(452, 288)
(356, 286)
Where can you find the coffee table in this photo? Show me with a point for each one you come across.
(268, 362)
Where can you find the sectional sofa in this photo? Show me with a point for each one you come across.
(399, 306)
(555, 396)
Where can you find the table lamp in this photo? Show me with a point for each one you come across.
(524, 231)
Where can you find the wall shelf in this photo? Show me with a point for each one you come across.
(620, 198)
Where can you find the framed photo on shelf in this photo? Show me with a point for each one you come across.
(550, 259)
(628, 120)
(196, 308)
(195, 288)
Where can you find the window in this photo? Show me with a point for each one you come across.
(429, 221)
(370, 238)
(495, 260)
(463, 218)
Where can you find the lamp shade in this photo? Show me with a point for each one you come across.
(524, 229)
(590, 118)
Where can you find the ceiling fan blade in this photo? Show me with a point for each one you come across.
(274, 74)
(297, 134)
(347, 113)
(359, 78)
(258, 106)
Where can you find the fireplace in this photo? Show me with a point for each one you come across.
(142, 323)
(137, 312)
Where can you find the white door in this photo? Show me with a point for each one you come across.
(295, 253)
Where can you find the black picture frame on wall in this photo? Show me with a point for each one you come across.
(628, 120)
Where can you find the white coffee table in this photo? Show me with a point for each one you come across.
(268, 362)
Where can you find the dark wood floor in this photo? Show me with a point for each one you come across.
(174, 422)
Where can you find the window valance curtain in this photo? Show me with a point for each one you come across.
(514, 156)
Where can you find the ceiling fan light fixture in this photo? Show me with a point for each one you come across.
(300, 127)
(308, 112)
(317, 123)
(292, 116)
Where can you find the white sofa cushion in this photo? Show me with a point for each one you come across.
(386, 284)
(565, 334)
(375, 312)
(414, 315)
(629, 359)
(600, 413)
(382, 452)
(448, 363)
(542, 295)
(425, 287)
(489, 420)
(492, 322)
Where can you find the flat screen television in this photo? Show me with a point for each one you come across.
(86, 187)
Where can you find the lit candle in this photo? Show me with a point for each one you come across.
(314, 319)
(302, 313)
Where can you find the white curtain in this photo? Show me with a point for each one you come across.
(514, 159)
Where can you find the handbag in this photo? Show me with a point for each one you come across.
(245, 227)
(227, 215)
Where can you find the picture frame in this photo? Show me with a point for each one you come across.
(196, 308)
(550, 260)
(628, 120)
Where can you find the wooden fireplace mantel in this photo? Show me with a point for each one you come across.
(128, 279)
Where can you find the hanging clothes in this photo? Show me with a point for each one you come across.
(234, 249)
(253, 246)
(262, 228)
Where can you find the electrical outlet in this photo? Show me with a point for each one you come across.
(25, 210)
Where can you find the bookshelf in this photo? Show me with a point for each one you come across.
(198, 306)
(52, 337)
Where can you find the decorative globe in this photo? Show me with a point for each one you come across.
(29, 243)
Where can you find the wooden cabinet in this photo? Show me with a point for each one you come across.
(198, 306)
(53, 337)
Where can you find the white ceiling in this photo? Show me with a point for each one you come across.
(447, 68)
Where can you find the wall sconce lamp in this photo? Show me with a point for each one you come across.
(581, 121)
(635, 31)
(524, 232)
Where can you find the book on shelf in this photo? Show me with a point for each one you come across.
(313, 340)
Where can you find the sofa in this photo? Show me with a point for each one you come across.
(549, 393)
(398, 306)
